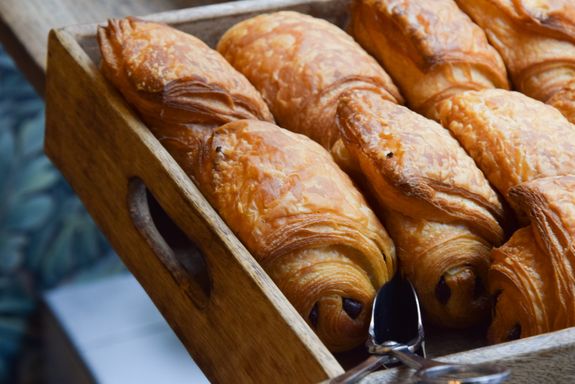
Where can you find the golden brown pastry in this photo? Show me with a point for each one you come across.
(431, 49)
(533, 275)
(303, 220)
(293, 59)
(301, 65)
(439, 208)
(280, 192)
(177, 83)
(537, 42)
(512, 138)
(564, 101)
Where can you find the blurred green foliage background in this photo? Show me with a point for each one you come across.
(46, 236)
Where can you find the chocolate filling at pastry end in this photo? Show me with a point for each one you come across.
(479, 288)
(442, 291)
(352, 307)
(314, 315)
(514, 333)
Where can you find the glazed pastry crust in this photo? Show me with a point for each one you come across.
(414, 163)
(534, 271)
(173, 79)
(551, 206)
(519, 279)
(564, 101)
(302, 219)
(301, 65)
(511, 137)
(431, 49)
(439, 208)
(280, 192)
(535, 38)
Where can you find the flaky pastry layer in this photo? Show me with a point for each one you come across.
(303, 220)
(302, 65)
(431, 49)
(512, 138)
(537, 42)
(173, 79)
(440, 210)
(533, 275)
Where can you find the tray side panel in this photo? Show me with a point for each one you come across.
(545, 358)
(209, 23)
(247, 331)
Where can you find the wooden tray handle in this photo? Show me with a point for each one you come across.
(176, 251)
(229, 314)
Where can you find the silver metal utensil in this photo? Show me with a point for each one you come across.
(396, 316)
(436, 372)
(395, 313)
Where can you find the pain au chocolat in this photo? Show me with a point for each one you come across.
(537, 42)
(297, 213)
(440, 210)
(532, 276)
(431, 49)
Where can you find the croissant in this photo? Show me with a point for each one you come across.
(304, 222)
(282, 194)
(301, 65)
(180, 87)
(439, 208)
(442, 214)
(537, 43)
(513, 138)
(532, 274)
(431, 49)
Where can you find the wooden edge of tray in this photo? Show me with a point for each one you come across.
(245, 329)
(546, 358)
(531, 359)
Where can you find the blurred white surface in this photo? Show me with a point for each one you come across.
(120, 335)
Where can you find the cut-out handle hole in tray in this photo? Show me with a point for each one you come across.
(173, 247)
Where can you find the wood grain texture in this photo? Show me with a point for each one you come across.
(94, 138)
(250, 334)
(540, 359)
(24, 25)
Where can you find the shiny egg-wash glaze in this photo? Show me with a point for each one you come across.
(512, 138)
(431, 49)
(516, 140)
(533, 272)
(439, 208)
(302, 65)
(537, 42)
(303, 220)
(281, 193)
(443, 217)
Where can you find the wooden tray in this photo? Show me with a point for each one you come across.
(228, 313)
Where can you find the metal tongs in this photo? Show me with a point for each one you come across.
(396, 335)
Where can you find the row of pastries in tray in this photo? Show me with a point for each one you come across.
(445, 190)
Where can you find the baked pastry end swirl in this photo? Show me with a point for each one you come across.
(438, 207)
(532, 275)
(282, 194)
(303, 220)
